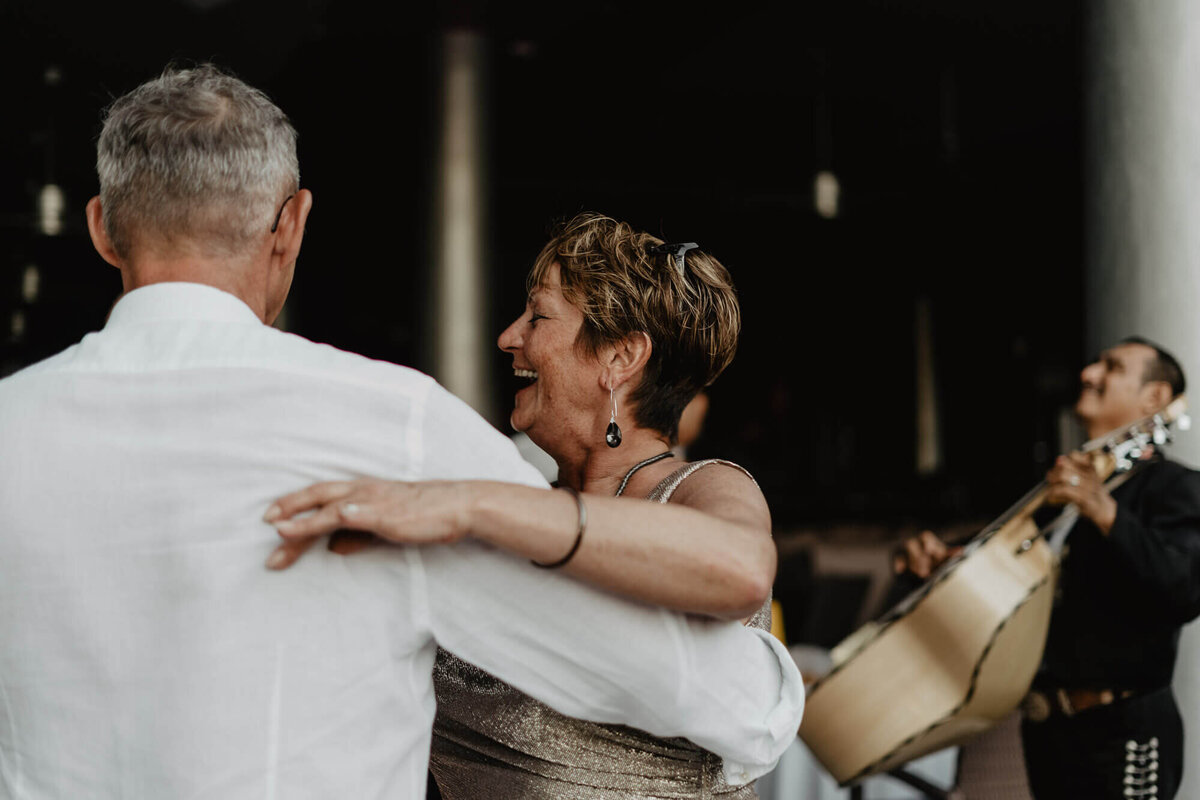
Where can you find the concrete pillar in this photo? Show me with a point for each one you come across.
(463, 342)
(1143, 219)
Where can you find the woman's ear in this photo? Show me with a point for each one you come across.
(626, 358)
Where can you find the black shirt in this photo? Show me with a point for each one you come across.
(1122, 598)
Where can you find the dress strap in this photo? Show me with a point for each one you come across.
(662, 493)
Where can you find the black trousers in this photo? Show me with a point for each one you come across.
(1129, 750)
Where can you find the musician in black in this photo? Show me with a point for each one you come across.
(1101, 720)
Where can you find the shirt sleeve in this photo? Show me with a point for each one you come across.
(1162, 545)
(728, 688)
(584, 652)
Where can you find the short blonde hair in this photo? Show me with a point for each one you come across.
(691, 316)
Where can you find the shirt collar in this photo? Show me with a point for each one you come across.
(177, 301)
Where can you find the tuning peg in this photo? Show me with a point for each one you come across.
(1161, 436)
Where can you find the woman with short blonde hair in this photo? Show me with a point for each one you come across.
(619, 333)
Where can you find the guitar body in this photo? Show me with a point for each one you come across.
(959, 660)
(959, 654)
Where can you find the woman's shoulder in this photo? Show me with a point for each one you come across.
(710, 473)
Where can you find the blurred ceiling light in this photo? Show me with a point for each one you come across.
(50, 209)
(825, 194)
(18, 325)
(30, 283)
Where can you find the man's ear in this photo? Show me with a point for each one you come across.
(100, 240)
(1155, 396)
(627, 358)
(290, 232)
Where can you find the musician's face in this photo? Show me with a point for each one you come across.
(1113, 391)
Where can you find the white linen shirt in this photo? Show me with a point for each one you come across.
(146, 652)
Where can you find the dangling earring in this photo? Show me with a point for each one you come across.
(612, 435)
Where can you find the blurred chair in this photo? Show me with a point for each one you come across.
(828, 584)
(831, 582)
(992, 765)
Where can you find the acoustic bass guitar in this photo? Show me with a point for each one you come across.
(958, 654)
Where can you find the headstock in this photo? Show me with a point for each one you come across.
(1128, 445)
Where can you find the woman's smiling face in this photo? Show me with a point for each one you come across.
(564, 390)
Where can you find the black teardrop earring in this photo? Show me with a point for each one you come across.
(612, 434)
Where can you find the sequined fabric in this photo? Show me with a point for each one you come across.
(493, 742)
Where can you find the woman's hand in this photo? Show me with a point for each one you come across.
(431, 512)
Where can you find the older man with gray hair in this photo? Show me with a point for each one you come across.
(148, 653)
(192, 169)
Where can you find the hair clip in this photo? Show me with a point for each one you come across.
(676, 249)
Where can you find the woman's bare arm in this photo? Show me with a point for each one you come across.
(709, 551)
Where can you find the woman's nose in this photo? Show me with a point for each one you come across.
(510, 339)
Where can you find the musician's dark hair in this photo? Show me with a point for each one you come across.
(1164, 367)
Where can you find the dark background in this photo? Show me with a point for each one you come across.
(954, 129)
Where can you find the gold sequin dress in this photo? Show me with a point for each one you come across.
(492, 742)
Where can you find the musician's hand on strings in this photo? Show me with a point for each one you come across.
(922, 554)
(1073, 479)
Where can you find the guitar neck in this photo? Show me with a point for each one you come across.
(1114, 457)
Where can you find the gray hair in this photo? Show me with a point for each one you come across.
(196, 154)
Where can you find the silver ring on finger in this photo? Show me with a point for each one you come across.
(1073, 480)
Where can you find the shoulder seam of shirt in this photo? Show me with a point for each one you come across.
(416, 430)
(419, 592)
